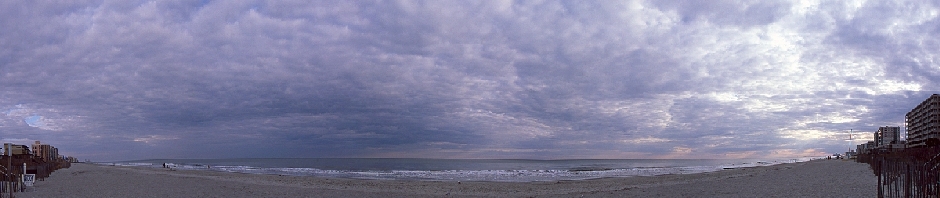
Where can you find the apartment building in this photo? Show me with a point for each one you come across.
(923, 123)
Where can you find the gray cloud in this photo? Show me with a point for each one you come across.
(206, 79)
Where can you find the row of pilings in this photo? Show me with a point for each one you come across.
(911, 172)
(12, 169)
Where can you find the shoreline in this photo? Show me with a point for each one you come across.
(811, 178)
(502, 170)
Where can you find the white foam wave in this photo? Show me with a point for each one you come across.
(474, 175)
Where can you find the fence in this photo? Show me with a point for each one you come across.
(906, 173)
(12, 183)
(12, 169)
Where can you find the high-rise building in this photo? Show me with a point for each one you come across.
(887, 135)
(923, 123)
(45, 151)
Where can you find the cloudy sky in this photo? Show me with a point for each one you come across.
(122, 80)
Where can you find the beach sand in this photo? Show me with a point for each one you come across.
(817, 178)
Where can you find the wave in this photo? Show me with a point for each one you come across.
(580, 172)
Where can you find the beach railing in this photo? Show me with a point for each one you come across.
(12, 183)
(910, 172)
(12, 169)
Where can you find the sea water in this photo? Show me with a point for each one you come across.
(507, 170)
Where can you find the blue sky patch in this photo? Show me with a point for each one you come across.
(34, 121)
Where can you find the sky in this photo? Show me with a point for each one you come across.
(125, 80)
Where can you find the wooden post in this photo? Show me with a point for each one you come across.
(907, 182)
(22, 177)
(881, 170)
(10, 168)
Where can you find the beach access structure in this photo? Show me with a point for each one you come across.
(16, 164)
(912, 172)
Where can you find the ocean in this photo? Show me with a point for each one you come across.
(504, 170)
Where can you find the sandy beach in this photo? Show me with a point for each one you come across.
(818, 178)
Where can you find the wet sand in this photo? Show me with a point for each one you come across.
(818, 178)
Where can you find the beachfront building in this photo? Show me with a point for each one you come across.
(923, 123)
(45, 151)
(887, 136)
(15, 149)
(865, 148)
